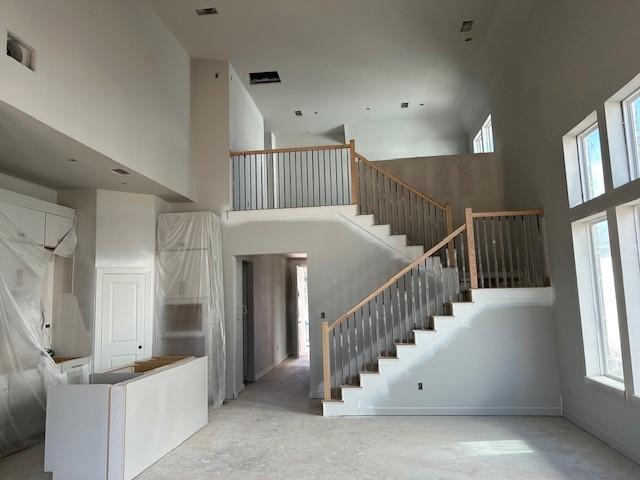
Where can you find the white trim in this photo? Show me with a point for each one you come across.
(607, 384)
(607, 438)
(446, 411)
(264, 371)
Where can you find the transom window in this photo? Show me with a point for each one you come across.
(605, 295)
(590, 160)
(631, 110)
(483, 141)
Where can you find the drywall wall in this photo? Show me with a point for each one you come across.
(344, 265)
(109, 75)
(286, 139)
(578, 54)
(126, 229)
(246, 125)
(466, 181)
(210, 134)
(406, 138)
(509, 336)
(28, 188)
(269, 313)
(85, 204)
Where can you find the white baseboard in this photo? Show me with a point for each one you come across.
(461, 411)
(599, 433)
(266, 370)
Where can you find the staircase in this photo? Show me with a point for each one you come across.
(490, 250)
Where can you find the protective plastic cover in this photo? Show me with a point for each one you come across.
(26, 369)
(189, 293)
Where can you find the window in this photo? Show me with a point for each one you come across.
(631, 112)
(483, 141)
(590, 159)
(606, 314)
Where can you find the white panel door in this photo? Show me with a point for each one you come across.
(123, 319)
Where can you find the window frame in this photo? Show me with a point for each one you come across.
(629, 123)
(598, 295)
(484, 142)
(583, 167)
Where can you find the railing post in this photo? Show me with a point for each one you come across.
(451, 247)
(471, 247)
(326, 362)
(354, 172)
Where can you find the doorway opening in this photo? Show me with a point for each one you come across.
(302, 310)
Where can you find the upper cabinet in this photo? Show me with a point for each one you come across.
(42, 222)
(56, 227)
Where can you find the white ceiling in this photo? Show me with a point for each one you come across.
(337, 57)
(36, 152)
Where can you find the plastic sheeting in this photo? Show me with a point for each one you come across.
(189, 293)
(26, 370)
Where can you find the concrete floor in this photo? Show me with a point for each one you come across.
(273, 431)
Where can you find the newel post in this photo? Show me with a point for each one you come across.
(354, 172)
(471, 247)
(450, 247)
(326, 359)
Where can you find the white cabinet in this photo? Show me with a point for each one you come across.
(12, 212)
(56, 227)
(32, 225)
(45, 229)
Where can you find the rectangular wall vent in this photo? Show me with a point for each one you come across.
(206, 11)
(257, 78)
(466, 26)
(20, 51)
(120, 171)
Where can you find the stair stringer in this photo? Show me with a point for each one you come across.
(493, 356)
(348, 214)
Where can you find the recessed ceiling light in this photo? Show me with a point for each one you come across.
(258, 78)
(206, 11)
(124, 183)
(72, 160)
(467, 25)
(422, 104)
(368, 108)
(298, 113)
(315, 113)
(468, 39)
(120, 171)
(404, 105)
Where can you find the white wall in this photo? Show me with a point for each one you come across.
(406, 138)
(495, 356)
(246, 124)
(579, 53)
(109, 75)
(28, 188)
(210, 134)
(269, 316)
(344, 265)
(126, 229)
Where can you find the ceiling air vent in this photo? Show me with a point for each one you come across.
(206, 11)
(20, 51)
(467, 25)
(298, 113)
(120, 171)
(258, 78)
(404, 105)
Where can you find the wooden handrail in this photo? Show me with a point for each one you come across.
(404, 184)
(513, 213)
(291, 150)
(400, 274)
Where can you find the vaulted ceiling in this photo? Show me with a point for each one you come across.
(357, 60)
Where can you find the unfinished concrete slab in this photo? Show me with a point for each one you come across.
(274, 431)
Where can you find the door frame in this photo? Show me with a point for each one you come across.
(147, 348)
